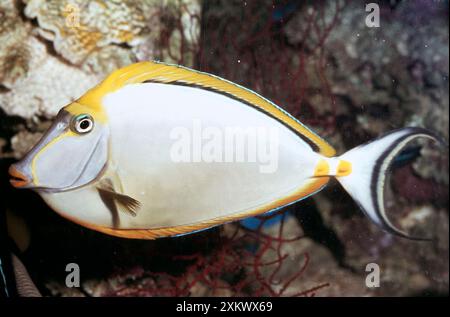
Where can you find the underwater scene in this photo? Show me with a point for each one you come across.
(224, 148)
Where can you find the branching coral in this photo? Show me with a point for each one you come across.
(76, 43)
(245, 263)
(88, 33)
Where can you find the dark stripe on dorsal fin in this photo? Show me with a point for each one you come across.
(156, 72)
(313, 145)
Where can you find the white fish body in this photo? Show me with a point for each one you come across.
(185, 193)
(130, 163)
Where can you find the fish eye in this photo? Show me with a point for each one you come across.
(82, 124)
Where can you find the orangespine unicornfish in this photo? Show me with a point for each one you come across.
(147, 154)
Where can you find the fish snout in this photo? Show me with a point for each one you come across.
(19, 178)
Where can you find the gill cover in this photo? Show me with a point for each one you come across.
(70, 155)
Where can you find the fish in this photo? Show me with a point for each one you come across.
(144, 155)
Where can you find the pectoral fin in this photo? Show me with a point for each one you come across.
(116, 201)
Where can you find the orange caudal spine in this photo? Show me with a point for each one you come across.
(344, 168)
(322, 168)
(327, 167)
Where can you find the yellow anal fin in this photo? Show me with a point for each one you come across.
(311, 187)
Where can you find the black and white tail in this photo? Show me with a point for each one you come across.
(369, 164)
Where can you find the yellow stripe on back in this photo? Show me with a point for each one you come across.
(165, 73)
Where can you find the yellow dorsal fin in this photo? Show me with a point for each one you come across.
(166, 73)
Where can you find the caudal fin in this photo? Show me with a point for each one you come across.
(369, 164)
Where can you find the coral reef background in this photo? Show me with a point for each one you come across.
(316, 59)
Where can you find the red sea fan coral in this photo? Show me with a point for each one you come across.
(245, 263)
(236, 45)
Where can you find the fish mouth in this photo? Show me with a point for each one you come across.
(17, 179)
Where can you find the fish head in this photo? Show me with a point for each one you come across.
(71, 154)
